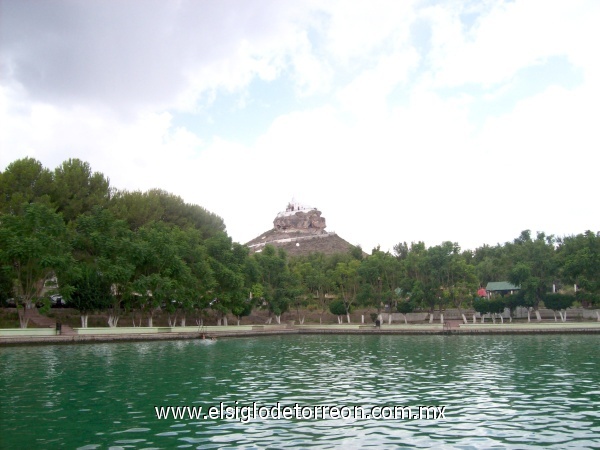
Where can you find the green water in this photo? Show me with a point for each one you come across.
(498, 391)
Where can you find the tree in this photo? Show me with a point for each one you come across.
(579, 259)
(34, 246)
(417, 276)
(104, 245)
(379, 277)
(558, 302)
(227, 263)
(23, 182)
(404, 307)
(76, 190)
(482, 306)
(160, 269)
(142, 208)
(314, 273)
(346, 278)
(534, 268)
(6, 285)
(496, 306)
(454, 274)
(195, 289)
(279, 285)
(513, 301)
(91, 292)
(338, 308)
(491, 263)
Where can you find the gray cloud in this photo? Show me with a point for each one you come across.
(121, 53)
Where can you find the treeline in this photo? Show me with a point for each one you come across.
(116, 251)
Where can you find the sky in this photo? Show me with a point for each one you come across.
(401, 121)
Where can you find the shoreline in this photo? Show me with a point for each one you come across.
(344, 329)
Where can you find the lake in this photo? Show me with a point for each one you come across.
(490, 391)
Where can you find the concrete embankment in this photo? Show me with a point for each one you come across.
(82, 335)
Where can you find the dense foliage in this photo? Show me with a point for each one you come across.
(114, 251)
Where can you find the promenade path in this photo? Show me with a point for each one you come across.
(105, 334)
(47, 322)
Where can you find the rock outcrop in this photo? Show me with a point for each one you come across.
(300, 218)
(300, 230)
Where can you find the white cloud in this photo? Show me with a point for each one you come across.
(369, 125)
(512, 36)
(367, 95)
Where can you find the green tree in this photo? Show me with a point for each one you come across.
(482, 306)
(76, 189)
(451, 271)
(227, 262)
(497, 307)
(534, 268)
(491, 263)
(33, 247)
(513, 301)
(347, 280)
(91, 292)
(558, 302)
(196, 288)
(104, 245)
(417, 276)
(313, 275)
(160, 269)
(280, 287)
(142, 208)
(23, 182)
(579, 260)
(379, 278)
(339, 309)
(405, 306)
(6, 285)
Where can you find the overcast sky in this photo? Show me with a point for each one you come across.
(400, 120)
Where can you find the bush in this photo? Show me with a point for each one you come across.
(558, 302)
(338, 308)
(481, 305)
(405, 307)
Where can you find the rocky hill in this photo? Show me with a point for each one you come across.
(300, 230)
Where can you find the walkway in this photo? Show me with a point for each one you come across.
(47, 322)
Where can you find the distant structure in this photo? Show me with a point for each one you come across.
(500, 288)
(300, 230)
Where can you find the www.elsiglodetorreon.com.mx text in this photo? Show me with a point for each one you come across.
(253, 411)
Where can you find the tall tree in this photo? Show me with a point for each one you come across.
(24, 181)
(313, 277)
(195, 288)
(91, 292)
(141, 208)
(534, 267)
(347, 281)
(227, 264)
(160, 268)
(279, 286)
(76, 189)
(579, 259)
(380, 277)
(105, 245)
(33, 247)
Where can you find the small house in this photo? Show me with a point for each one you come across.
(501, 288)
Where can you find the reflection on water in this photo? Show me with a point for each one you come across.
(504, 391)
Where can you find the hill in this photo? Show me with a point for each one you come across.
(300, 230)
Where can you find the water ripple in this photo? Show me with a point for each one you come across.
(499, 391)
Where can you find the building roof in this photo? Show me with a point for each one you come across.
(501, 286)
